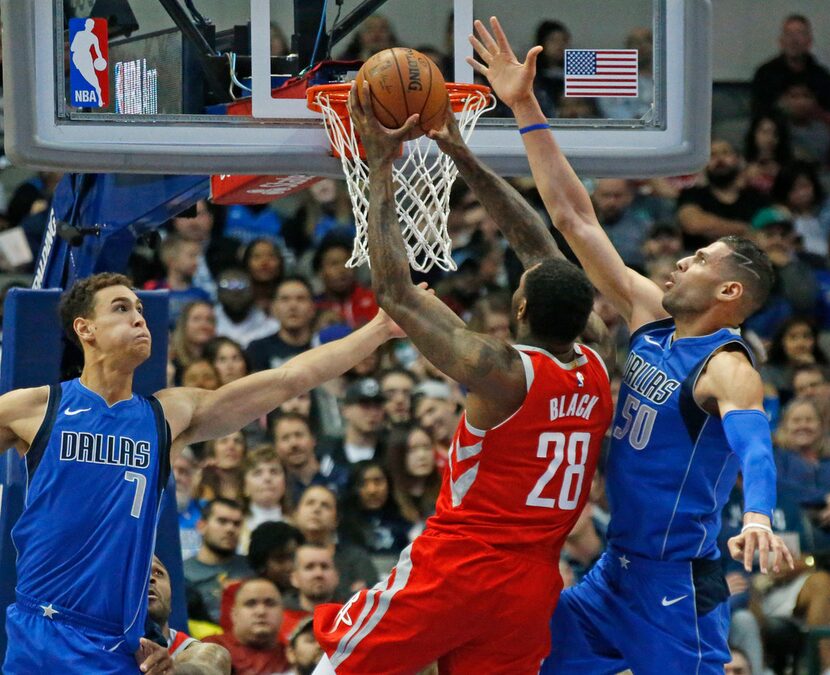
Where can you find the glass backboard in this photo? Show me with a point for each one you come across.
(167, 86)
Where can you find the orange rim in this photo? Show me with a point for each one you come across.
(339, 94)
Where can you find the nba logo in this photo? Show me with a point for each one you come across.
(89, 80)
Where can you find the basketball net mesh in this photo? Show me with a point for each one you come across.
(422, 181)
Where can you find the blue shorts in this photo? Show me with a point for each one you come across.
(652, 617)
(39, 644)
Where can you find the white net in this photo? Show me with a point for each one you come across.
(422, 178)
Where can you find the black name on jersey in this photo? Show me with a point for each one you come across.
(82, 446)
(648, 380)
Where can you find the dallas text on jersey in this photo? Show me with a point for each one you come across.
(648, 380)
(82, 446)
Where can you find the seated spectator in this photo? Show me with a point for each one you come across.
(257, 615)
(229, 359)
(396, 385)
(626, 227)
(325, 209)
(295, 444)
(767, 148)
(189, 655)
(264, 490)
(195, 327)
(303, 651)
(722, 206)
(185, 466)
(271, 553)
(802, 458)
(264, 263)
(222, 472)
(664, 240)
(584, 544)
(810, 133)
(362, 414)
(795, 290)
(355, 304)
(32, 196)
(200, 374)
(794, 345)
(371, 516)
(374, 35)
(217, 561)
(491, 316)
(315, 580)
(738, 664)
(416, 480)
(180, 259)
(810, 381)
(799, 189)
(316, 518)
(436, 411)
(203, 223)
(237, 317)
(794, 62)
(293, 307)
(555, 38)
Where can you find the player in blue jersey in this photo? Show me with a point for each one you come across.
(689, 417)
(97, 458)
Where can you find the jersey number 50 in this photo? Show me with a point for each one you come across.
(577, 452)
(639, 421)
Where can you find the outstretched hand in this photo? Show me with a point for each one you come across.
(381, 143)
(743, 546)
(511, 80)
(448, 137)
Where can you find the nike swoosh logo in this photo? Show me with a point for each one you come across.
(668, 603)
(652, 341)
(76, 412)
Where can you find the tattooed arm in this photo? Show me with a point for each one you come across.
(522, 226)
(491, 369)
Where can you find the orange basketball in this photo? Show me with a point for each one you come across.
(404, 82)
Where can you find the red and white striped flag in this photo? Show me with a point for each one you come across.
(601, 72)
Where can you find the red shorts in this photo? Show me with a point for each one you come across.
(473, 608)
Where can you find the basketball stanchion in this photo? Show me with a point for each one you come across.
(423, 177)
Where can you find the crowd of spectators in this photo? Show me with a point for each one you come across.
(318, 499)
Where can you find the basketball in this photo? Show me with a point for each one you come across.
(99, 63)
(404, 82)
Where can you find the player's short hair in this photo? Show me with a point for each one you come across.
(752, 268)
(559, 300)
(207, 511)
(80, 299)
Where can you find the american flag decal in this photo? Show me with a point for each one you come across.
(600, 72)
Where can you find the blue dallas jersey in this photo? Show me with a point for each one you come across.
(86, 537)
(670, 468)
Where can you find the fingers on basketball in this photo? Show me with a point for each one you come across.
(403, 82)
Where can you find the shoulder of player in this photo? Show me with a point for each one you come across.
(23, 403)
(179, 404)
(729, 371)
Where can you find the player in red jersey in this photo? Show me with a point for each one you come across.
(475, 590)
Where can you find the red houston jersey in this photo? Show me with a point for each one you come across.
(522, 484)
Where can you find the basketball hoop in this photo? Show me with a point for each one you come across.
(422, 180)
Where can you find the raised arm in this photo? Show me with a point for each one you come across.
(491, 369)
(636, 298)
(521, 224)
(198, 414)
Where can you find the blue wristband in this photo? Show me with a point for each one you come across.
(534, 127)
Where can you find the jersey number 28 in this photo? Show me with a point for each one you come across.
(577, 454)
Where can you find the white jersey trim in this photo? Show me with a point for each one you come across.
(580, 360)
